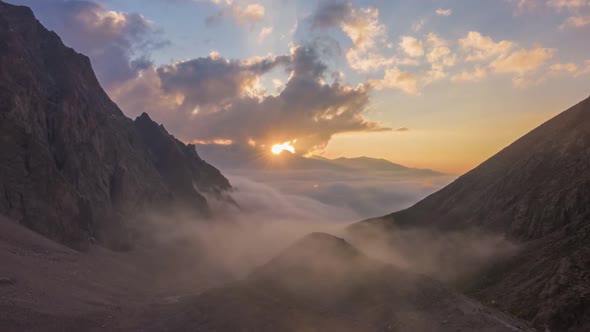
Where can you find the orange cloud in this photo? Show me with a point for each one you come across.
(522, 61)
(397, 79)
(411, 46)
(481, 47)
(476, 75)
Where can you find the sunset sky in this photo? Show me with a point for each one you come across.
(439, 84)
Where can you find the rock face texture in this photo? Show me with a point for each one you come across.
(537, 192)
(72, 166)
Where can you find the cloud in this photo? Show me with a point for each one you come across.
(411, 46)
(250, 14)
(402, 129)
(264, 33)
(522, 5)
(213, 81)
(439, 56)
(361, 25)
(358, 193)
(476, 75)
(443, 12)
(118, 43)
(363, 61)
(576, 22)
(363, 28)
(396, 79)
(418, 25)
(555, 70)
(585, 70)
(215, 98)
(522, 61)
(481, 47)
(278, 208)
(579, 8)
(568, 4)
(564, 68)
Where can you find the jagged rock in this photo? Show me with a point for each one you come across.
(73, 167)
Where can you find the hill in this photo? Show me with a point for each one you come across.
(322, 283)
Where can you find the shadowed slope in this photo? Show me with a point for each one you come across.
(73, 167)
(535, 186)
(322, 283)
(536, 192)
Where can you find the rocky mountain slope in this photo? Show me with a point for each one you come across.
(322, 283)
(73, 167)
(537, 193)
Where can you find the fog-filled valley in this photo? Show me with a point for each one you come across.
(224, 213)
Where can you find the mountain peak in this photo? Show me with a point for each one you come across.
(144, 117)
(315, 256)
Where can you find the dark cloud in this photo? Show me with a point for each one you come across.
(117, 43)
(331, 14)
(214, 19)
(214, 80)
(210, 98)
(215, 98)
(402, 129)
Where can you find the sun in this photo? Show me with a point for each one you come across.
(277, 149)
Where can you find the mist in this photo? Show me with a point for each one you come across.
(239, 239)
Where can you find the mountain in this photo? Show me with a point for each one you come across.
(536, 192)
(236, 156)
(368, 163)
(375, 164)
(322, 283)
(73, 167)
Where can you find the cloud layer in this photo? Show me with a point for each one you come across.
(213, 98)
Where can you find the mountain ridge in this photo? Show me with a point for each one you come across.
(74, 167)
(245, 157)
(535, 192)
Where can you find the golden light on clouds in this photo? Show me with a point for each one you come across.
(277, 149)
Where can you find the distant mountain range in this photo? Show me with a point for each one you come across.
(245, 157)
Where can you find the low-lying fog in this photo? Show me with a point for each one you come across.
(276, 208)
(344, 196)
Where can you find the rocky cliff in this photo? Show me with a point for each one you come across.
(72, 166)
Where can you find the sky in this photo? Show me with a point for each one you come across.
(439, 84)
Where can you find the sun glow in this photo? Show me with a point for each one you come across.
(279, 148)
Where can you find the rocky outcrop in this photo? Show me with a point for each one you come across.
(72, 166)
(537, 193)
(177, 162)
